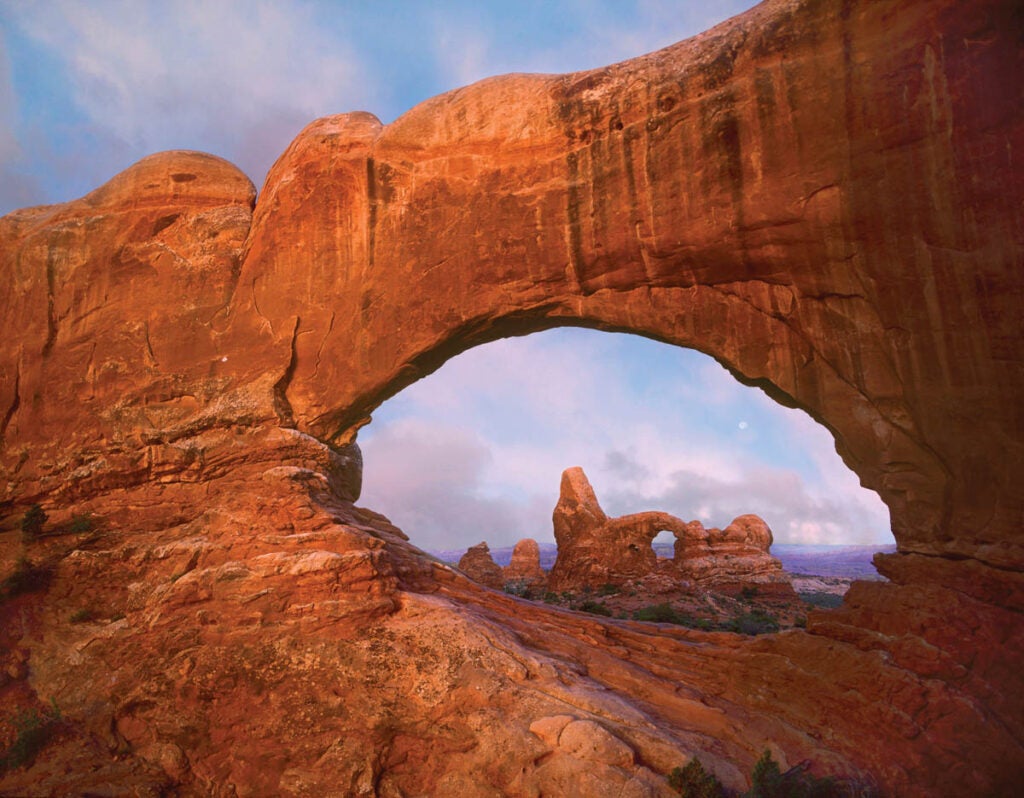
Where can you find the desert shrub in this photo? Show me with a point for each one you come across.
(754, 623)
(551, 598)
(595, 608)
(608, 589)
(26, 578)
(693, 781)
(827, 601)
(518, 588)
(33, 521)
(660, 614)
(748, 592)
(81, 522)
(81, 616)
(33, 730)
(767, 781)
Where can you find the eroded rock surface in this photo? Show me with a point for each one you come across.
(478, 565)
(595, 550)
(524, 567)
(825, 196)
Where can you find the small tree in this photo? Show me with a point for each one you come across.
(695, 782)
(33, 521)
(766, 779)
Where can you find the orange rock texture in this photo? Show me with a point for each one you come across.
(479, 566)
(595, 550)
(524, 567)
(826, 196)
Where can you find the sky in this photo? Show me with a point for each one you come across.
(474, 451)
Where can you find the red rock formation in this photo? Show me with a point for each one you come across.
(479, 566)
(739, 553)
(524, 567)
(822, 195)
(594, 550)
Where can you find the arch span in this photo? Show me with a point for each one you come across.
(796, 193)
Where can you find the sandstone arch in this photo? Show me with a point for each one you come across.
(795, 210)
(825, 196)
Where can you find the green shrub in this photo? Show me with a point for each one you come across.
(767, 781)
(664, 613)
(660, 614)
(693, 781)
(608, 589)
(749, 591)
(33, 521)
(827, 601)
(518, 588)
(550, 598)
(26, 578)
(33, 730)
(754, 623)
(766, 778)
(81, 616)
(81, 522)
(595, 608)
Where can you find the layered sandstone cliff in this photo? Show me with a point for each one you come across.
(825, 196)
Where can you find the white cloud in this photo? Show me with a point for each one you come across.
(17, 188)
(538, 405)
(243, 77)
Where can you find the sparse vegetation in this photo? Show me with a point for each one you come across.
(81, 616)
(756, 622)
(81, 523)
(695, 782)
(766, 781)
(595, 608)
(660, 613)
(827, 601)
(33, 730)
(749, 592)
(608, 589)
(518, 588)
(26, 578)
(664, 613)
(32, 522)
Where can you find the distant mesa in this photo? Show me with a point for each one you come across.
(595, 550)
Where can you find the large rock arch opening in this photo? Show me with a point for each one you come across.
(824, 196)
(793, 210)
(476, 450)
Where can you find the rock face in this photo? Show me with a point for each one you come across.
(825, 196)
(595, 550)
(479, 566)
(524, 567)
(738, 553)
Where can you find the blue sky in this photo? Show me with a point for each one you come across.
(474, 451)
